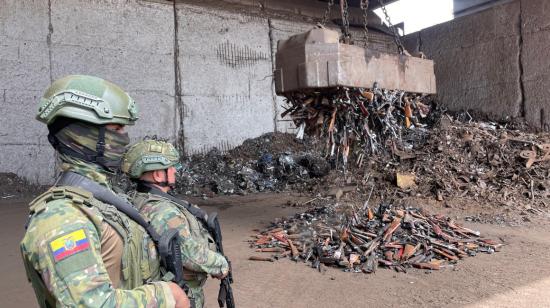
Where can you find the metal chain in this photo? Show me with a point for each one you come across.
(365, 9)
(327, 12)
(345, 21)
(396, 38)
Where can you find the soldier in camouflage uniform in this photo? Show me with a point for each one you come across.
(153, 164)
(77, 250)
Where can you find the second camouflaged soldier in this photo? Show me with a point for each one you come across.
(78, 250)
(153, 165)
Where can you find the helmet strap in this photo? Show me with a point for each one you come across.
(100, 147)
(161, 184)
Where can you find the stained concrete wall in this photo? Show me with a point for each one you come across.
(535, 59)
(202, 77)
(476, 61)
(24, 74)
(128, 42)
(494, 62)
(226, 84)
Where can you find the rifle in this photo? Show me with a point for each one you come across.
(170, 256)
(225, 295)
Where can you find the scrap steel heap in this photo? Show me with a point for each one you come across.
(359, 239)
(356, 120)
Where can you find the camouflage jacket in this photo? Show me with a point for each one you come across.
(62, 252)
(198, 249)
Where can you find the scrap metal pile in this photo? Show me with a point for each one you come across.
(357, 122)
(359, 239)
(500, 165)
(271, 162)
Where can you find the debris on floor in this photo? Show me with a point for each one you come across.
(359, 239)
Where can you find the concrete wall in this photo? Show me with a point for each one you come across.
(24, 74)
(494, 62)
(226, 84)
(202, 77)
(535, 59)
(128, 42)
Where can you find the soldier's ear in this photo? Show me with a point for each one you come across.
(159, 176)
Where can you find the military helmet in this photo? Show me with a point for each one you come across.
(149, 155)
(89, 99)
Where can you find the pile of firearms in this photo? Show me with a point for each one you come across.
(363, 121)
(361, 239)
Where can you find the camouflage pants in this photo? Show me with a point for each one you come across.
(198, 296)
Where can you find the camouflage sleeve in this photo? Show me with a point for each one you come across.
(63, 245)
(196, 255)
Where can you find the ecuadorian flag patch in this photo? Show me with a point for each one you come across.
(69, 244)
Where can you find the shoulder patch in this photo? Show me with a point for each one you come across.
(69, 244)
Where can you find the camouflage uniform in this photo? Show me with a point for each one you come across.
(63, 249)
(199, 256)
(81, 278)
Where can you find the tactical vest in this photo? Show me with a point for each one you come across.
(196, 229)
(139, 264)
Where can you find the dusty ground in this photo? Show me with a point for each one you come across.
(518, 276)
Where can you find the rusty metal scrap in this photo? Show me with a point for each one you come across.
(531, 155)
(356, 120)
(260, 258)
(503, 166)
(361, 239)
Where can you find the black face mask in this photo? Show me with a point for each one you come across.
(91, 143)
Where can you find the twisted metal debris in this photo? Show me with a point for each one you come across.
(356, 120)
(361, 239)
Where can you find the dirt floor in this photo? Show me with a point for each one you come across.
(517, 276)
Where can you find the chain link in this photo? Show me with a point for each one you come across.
(396, 38)
(327, 12)
(345, 22)
(365, 9)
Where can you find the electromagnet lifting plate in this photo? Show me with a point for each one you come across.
(316, 59)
